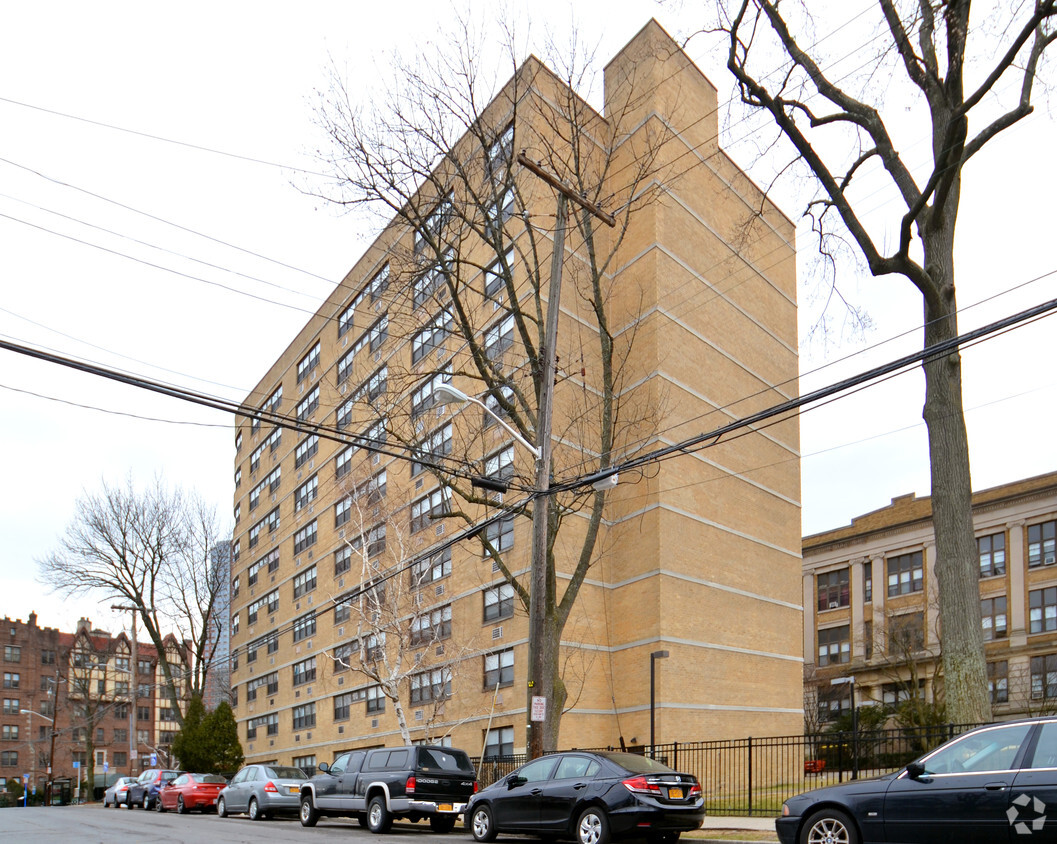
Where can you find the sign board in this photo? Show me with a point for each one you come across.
(153, 759)
(133, 755)
(539, 708)
(106, 767)
(76, 764)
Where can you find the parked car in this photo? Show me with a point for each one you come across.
(262, 790)
(190, 791)
(118, 792)
(376, 786)
(591, 798)
(144, 791)
(993, 783)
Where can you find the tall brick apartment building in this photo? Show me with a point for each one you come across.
(696, 557)
(68, 695)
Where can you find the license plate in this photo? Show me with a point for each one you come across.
(675, 794)
(292, 789)
(444, 807)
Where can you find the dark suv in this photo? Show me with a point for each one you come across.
(144, 791)
(375, 786)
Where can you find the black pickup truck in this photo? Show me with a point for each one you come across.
(376, 786)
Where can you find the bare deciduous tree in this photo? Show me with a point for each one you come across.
(440, 162)
(151, 550)
(957, 72)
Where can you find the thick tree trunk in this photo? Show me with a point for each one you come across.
(956, 563)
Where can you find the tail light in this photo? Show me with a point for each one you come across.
(695, 790)
(410, 785)
(270, 787)
(476, 786)
(641, 785)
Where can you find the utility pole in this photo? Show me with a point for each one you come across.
(133, 690)
(541, 676)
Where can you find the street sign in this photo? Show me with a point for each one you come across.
(106, 767)
(76, 764)
(539, 708)
(153, 759)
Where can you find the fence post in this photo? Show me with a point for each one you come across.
(675, 755)
(750, 776)
(840, 757)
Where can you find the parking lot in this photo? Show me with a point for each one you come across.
(93, 824)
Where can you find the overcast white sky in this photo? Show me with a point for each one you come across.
(239, 77)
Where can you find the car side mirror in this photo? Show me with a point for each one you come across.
(514, 781)
(915, 770)
(323, 767)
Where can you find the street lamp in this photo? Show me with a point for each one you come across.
(850, 681)
(29, 713)
(656, 655)
(447, 394)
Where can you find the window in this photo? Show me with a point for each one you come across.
(905, 574)
(9, 758)
(1042, 610)
(867, 582)
(341, 656)
(373, 489)
(428, 686)
(269, 601)
(304, 626)
(305, 538)
(272, 403)
(305, 582)
(370, 389)
(437, 444)
(375, 699)
(833, 701)
(499, 337)
(833, 590)
(304, 716)
(306, 450)
(1041, 544)
(270, 722)
(343, 462)
(992, 552)
(342, 705)
(47, 657)
(306, 493)
(269, 682)
(499, 669)
(1044, 677)
(343, 512)
(305, 671)
(345, 319)
(238, 477)
(346, 363)
(993, 612)
(501, 151)
(431, 626)
(498, 602)
(500, 534)
(433, 224)
(998, 681)
(498, 401)
(422, 398)
(274, 479)
(499, 743)
(308, 363)
(496, 273)
(500, 466)
(431, 337)
(499, 211)
(906, 633)
(11, 680)
(307, 406)
(342, 610)
(433, 568)
(375, 538)
(11, 706)
(143, 713)
(12, 653)
(271, 560)
(433, 505)
(238, 441)
(255, 456)
(342, 560)
(834, 645)
(255, 494)
(10, 732)
(378, 333)
(275, 438)
(373, 647)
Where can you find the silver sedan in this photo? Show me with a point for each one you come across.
(262, 790)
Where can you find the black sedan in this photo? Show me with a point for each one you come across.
(591, 798)
(991, 784)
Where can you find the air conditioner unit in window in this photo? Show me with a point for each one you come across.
(834, 604)
(1049, 560)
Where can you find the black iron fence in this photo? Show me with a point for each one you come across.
(754, 776)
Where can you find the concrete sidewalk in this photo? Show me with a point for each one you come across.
(726, 829)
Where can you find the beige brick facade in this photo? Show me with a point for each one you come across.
(697, 555)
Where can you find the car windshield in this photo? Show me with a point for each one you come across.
(638, 764)
(211, 778)
(286, 773)
(169, 775)
(435, 759)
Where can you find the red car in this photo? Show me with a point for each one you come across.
(191, 791)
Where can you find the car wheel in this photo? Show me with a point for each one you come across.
(222, 807)
(309, 814)
(593, 827)
(129, 804)
(254, 810)
(181, 809)
(378, 817)
(105, 804)
(829, 826)
(442, 824)
(481, 826)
